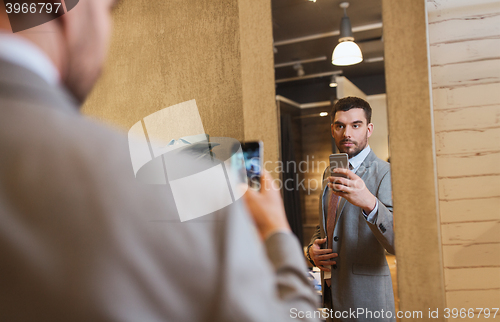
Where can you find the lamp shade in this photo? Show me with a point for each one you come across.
(347, 53)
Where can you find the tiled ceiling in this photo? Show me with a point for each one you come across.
(302, 18)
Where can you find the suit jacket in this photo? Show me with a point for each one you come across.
(361, 278)
(82, 240)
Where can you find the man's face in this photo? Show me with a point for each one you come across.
(88, 29)
(351, 131)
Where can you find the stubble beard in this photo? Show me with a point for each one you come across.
(354, 150)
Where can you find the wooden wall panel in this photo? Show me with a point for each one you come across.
(471, 232)
(467, 210)
(467, 141)
(464, 23)
(467, 118)
(469, 187)
(460, 165)
(465, 66)
(471, 255)
(447, 7)
(467, 73)
(466, 96)
(488, 298)
(471, 50)
(472, 278)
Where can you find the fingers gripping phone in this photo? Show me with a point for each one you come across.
(339, 160)
(253, 153)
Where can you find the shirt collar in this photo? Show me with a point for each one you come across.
(17, 50)
(358, 159)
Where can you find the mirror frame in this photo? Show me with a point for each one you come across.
(413, 157)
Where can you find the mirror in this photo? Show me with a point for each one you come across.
(307, 86)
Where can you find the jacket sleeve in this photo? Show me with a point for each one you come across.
(263, 282)
(382, 223)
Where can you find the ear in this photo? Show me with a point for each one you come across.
(4, 18)
(369, 130)
(331, 126)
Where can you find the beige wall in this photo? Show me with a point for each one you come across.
(257, 65)
(346, 88)
(413, 164)
(216, 52)
(465, 65)
(379, 141)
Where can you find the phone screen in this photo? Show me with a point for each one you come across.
(339, 160)
(252, 153)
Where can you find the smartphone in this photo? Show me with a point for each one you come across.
(339, 160)
(253, 153)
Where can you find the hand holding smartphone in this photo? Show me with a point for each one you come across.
(253, 153)
(339, 160)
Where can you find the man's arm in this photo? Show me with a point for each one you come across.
(354, 190)
(294, 288)
(282, 288)
(381, 222)
(262, 282)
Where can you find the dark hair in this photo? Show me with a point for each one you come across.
(348, 103)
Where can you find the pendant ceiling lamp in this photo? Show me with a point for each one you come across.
(333, 81)
(347, 51)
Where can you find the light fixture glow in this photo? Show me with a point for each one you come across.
(323, 114)
(347, 52)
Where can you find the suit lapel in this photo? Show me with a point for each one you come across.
(340, 208)
(325, 196)
(364, 168)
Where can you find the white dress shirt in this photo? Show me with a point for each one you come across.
(17, 50)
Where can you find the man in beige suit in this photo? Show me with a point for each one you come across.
(82, 240)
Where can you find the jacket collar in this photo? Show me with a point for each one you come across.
(17, 50)
(367, 163)
(21, 84)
